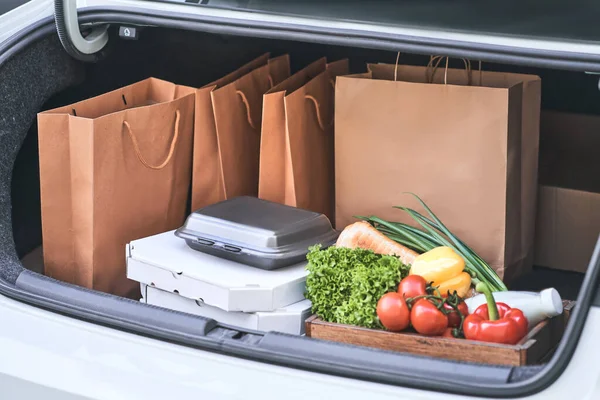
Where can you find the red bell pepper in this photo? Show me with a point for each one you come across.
(497, 323)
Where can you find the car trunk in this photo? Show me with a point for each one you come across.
(42, 76)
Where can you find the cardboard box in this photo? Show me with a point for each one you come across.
(288, 319)
(166, 262)
(568, 217)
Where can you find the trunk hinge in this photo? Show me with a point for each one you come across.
(67, 24)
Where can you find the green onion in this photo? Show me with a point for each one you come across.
(435, 234)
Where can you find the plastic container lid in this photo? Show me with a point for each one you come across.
(258, 230)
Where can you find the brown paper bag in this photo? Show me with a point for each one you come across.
(296, 154)
(530, 135)
(113, 168)
(227, 131)
(457, 146)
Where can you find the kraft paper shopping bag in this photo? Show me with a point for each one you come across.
(296, 156)
(227, 131)
(442, 136)
(113, 168)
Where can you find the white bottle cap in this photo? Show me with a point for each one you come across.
(551, 302)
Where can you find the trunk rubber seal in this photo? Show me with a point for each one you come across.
(381, 41)
(374, 40)
(472, 45)
(547, 375)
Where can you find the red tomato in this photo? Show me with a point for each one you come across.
(453, 316)
(412, 286)
(393, 312)
(427, 319)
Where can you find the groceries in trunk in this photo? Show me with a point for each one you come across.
(391, 208)
(393, 276)
(386, 284)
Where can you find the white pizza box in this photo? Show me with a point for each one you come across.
(289, 319)
(166, 262)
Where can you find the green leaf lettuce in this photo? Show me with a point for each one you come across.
(344, 285)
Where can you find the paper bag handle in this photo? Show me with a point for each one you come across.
(439, 60)
(318, 112)
(396, 67)
(138, 153)
(247, 104)
(467, 69)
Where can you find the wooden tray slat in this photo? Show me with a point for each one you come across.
(538, 342)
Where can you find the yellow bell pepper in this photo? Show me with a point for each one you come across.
(445, 268)
(461, 283)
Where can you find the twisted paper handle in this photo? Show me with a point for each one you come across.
(138, 153)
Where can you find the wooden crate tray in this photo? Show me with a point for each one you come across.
(540, 341)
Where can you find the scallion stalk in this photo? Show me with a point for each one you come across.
(435, 234)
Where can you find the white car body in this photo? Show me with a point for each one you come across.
(45, 355)
(49, 356)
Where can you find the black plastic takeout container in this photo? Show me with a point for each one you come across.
(256, 232)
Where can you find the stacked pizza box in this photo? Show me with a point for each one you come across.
(249, 274)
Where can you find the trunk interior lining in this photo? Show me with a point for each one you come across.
(27, 81)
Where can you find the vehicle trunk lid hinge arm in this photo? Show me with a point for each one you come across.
(86, 48)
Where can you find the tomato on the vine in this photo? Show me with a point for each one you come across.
(393, 312)
(427, 319)
(453, 315)
(412, 286)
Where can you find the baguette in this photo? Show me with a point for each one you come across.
(361, 235)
